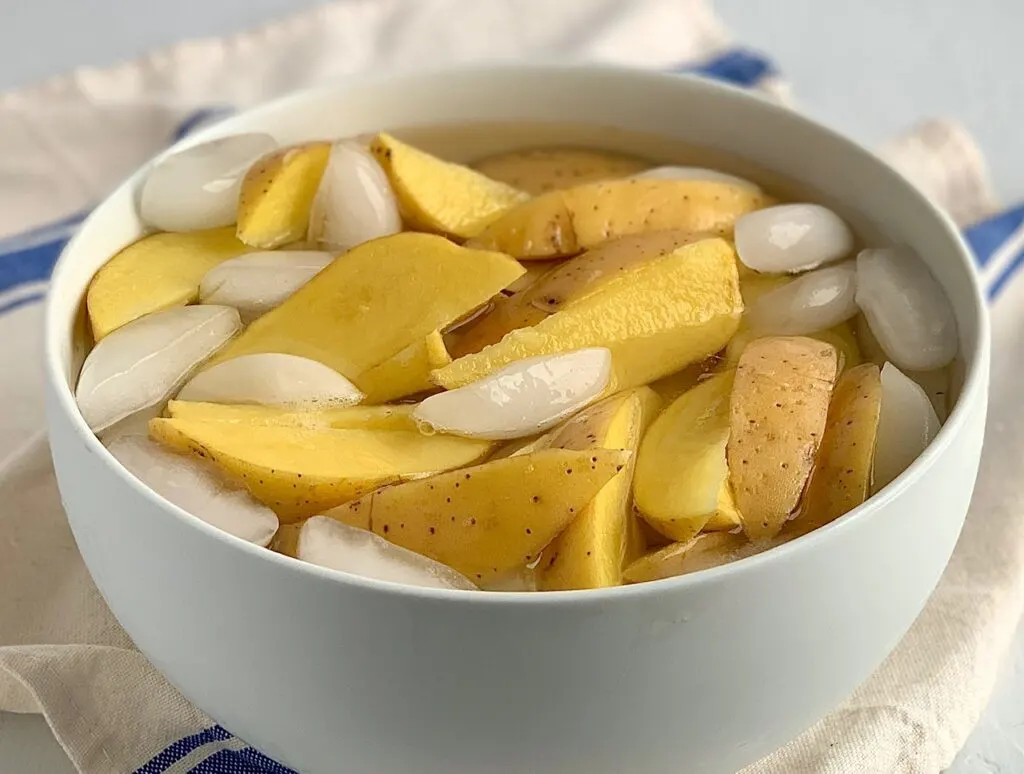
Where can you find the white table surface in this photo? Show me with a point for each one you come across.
(870, 67)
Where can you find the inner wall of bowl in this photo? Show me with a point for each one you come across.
(468, 114)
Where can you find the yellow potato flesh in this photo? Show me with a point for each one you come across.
(540, 170)
(681, 469)
(158, 272)
(440, 196)
(778, 409)
(407, 373)
(563, 223)
(672, 312)
(376, 300)
(488, 520)
(701, 553)
(277, 194)
(286, 539)
(592, 551)
(346, 418)
(301, 471)
(726, 517)
(842, 475)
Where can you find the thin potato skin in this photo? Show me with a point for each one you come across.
(540, 170)
(842, 476)
(778, 411)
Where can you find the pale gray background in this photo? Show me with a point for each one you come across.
(869, 67)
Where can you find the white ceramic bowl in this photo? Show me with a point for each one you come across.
(704, 673)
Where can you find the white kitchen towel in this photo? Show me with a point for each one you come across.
(67, 142)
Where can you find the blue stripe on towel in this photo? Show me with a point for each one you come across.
(986, 237)
(244, 761)
(30, 264)
(740, 67)
(178, 750)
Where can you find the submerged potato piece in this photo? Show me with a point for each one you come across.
(778, 409)
(340, 418)
(840, 336)
(540, 170)
(592, 551)
(566, 222)
(277, 194)
(157, 272)
(673, 311)
(376, 300)
(487, 520)
(301, 471)
(681, 471)
(440, 196)
(286, 539)
(701, 553)
(406, 373)
(842, 475)
(726, 517)
(506, 314)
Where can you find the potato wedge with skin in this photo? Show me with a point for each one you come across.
(376, 300)
(343, 418)
(157, 272)
(301, 471)
(439, 196)
(286, 540)
(490, 519)
(406, 373)
(673, 311)
(540, 170)
(701, 553)
(840, 336)
(681, 469)
(506, 314)
(563, 223)
(778, 408)
(277, 195)
(841, 479)
(592, 551)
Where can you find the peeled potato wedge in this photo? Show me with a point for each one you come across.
(778, 409)
(381, 297)
(700, 553)
(842, 475)
(488, 520)
(540, 170)
(343, 418)
(158, 272)
(440, 196)
(302, 471)
(673, 311)
(592, 551)
(563, 223)
(681, 470)
(277, 195)
(406, 373)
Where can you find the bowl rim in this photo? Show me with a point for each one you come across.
(973, 390)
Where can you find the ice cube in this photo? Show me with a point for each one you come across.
(791, 238)
(141, 364)
(906, 308)
(256, 283)
(907, 423)
(329, 543)
(523, 398)
(271, 379)
(813, 302)
(354, 202)
(693, 173)
(198, 187)
(195, 487)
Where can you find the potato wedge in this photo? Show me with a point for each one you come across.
(343, 418)
(301, 471)
(726, 517)
(778, 408)
(592, 551)
(540, 170)
(490, 519)
(681, 470)
(674, 311)
(286, 540)
(841, 479)
(563, 223)
(440, 196)
(506, 314)
(157, 272)
(277, 195)
(383, 296)
(840, 336)
(700, 553)
(406, 373)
